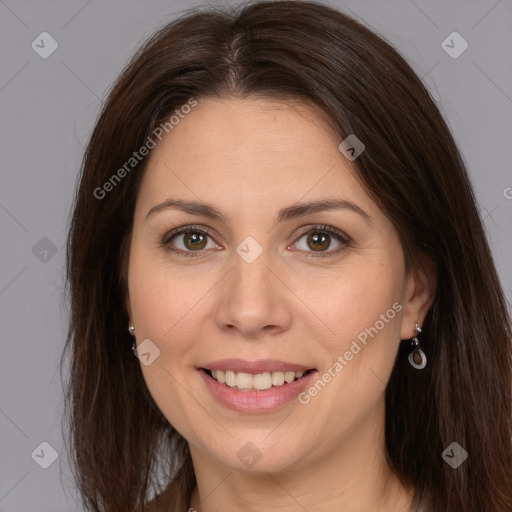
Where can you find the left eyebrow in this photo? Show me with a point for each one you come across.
(299, 210)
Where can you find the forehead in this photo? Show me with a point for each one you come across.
(268, 151)
(246, 129)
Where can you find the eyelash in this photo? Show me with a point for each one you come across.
(345, 241)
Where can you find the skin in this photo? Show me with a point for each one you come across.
(250, 158)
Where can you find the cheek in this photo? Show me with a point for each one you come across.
(360, 312)
(161, 313)
(353, 298)
(357, 359)
(164, 298)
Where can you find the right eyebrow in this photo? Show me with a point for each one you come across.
(192, 207)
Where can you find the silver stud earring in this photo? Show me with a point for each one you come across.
(417, 357)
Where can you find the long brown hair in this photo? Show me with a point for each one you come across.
(124, 452)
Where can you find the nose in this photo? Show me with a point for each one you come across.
(253, 299)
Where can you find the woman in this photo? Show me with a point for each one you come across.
(274, 216)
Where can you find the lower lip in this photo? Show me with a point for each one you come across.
(256, 401)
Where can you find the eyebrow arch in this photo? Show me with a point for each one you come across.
(288, 213)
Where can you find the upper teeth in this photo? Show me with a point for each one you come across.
(260, 381)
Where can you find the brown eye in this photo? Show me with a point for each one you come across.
(188, 240)
(194, 241)
(318, 241)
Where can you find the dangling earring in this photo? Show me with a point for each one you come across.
(417, 357)
(131, 330)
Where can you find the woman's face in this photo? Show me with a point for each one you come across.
(267, 290)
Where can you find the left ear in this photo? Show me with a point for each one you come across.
(420, 290)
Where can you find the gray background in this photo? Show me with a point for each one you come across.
(48, 107)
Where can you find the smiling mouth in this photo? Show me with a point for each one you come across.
(257, 382)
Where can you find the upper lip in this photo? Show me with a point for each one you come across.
(254, 367)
